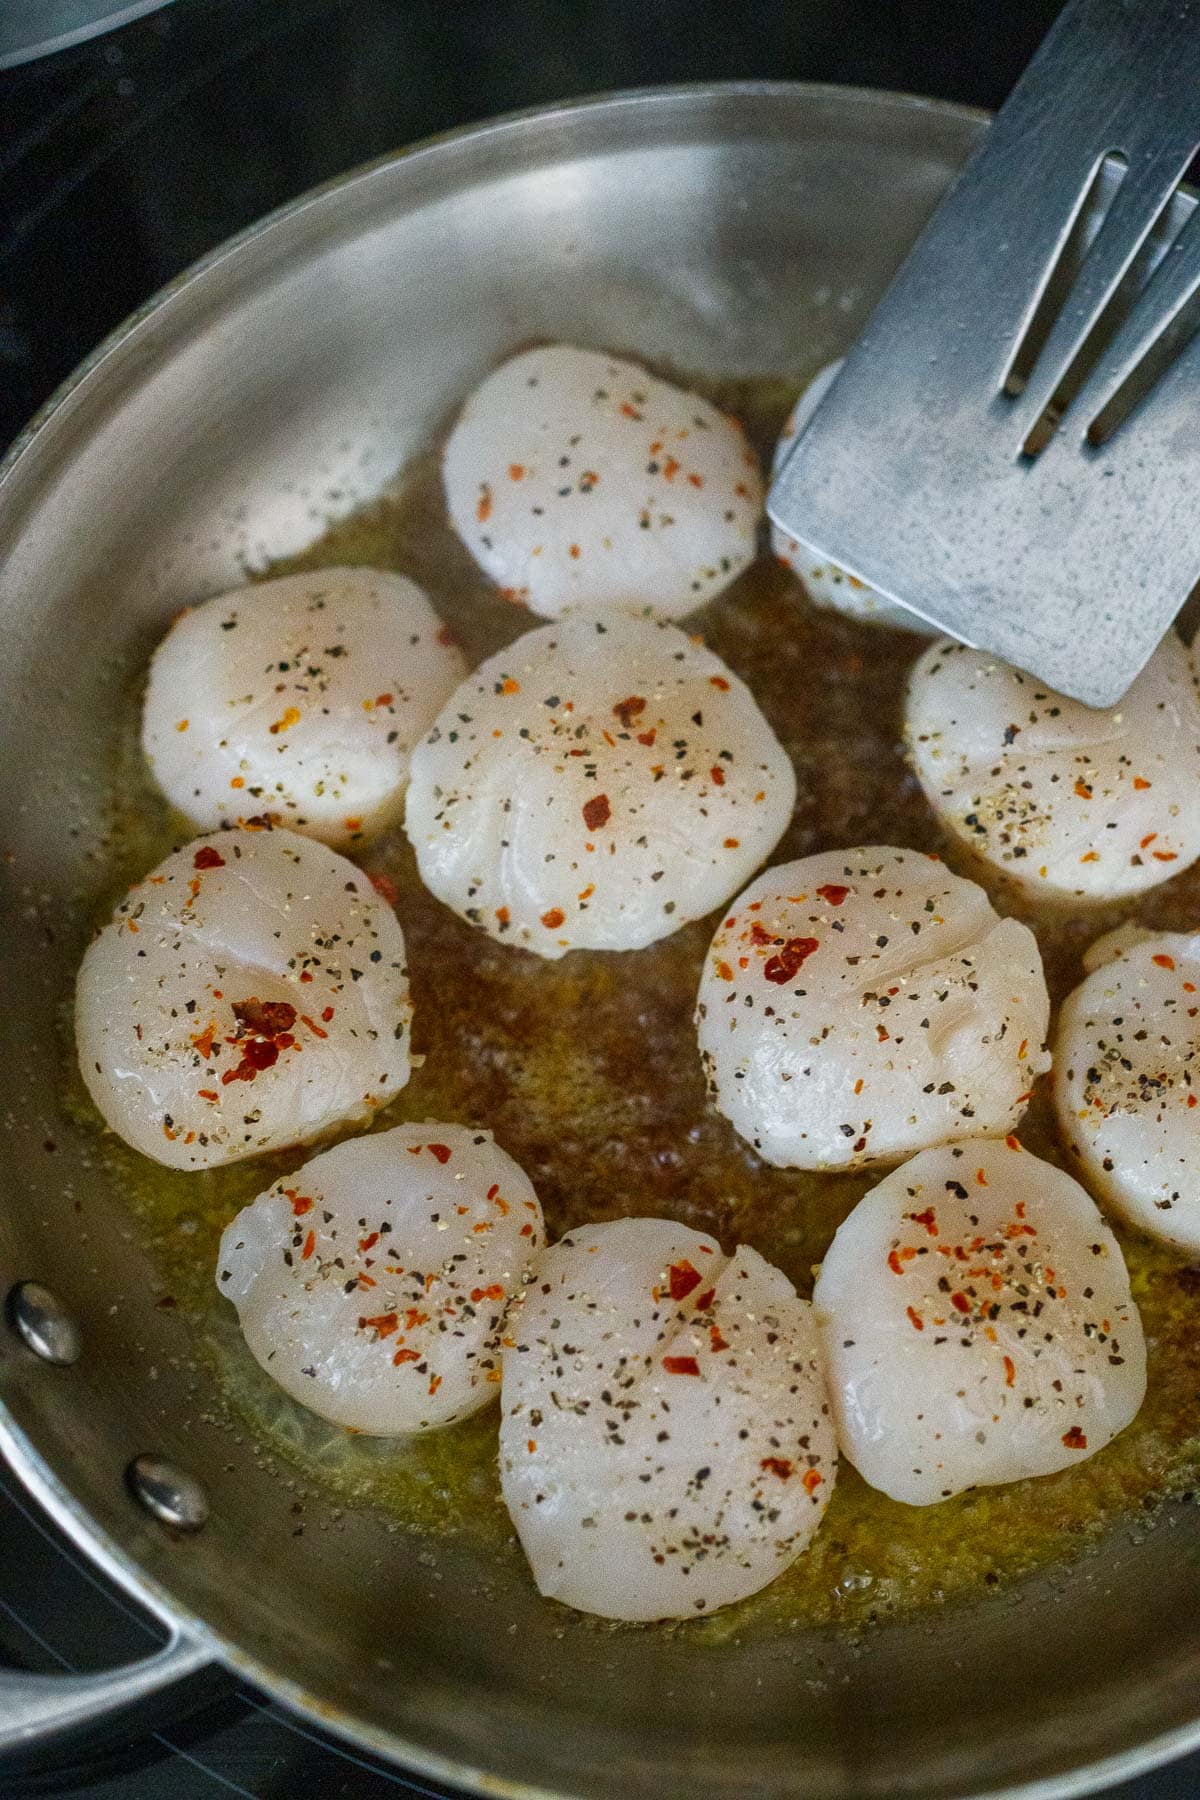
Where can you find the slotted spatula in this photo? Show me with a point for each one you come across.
(1049, 514)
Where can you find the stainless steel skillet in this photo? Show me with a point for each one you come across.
(281, 381)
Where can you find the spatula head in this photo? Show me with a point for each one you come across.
(915, 473)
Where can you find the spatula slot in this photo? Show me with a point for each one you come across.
(1135, 299)
(1092, 208)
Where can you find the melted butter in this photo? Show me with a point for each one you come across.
(588, 1074)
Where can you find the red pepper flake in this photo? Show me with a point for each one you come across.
(1010, 1371)
(681, 1365)
(782, 967)
(503, 915)
(630, 412)
(705, 1300)
(724, 971)
(715, 1340)
(928, 1219)
(483, 511)
(386, 1324)
(833, 892)
(1140, 784)
(206, 1094)
(732, 843)
(894, 1263)
(670, 469)
(597, 812)
(509, 686)
(1164, 856)
(310, 1244)
(811, 1481)
(208, 858)
(435, 1382)
(203, 1040)
(494, 1292)
(717, 775)
(683, 1278)
(719, 681)
(403, 1356)
(697, 481)
(1083, 790)
(516, 471)
(301, 1203)
(554, 918)
(628, 710)
(1092, 856)
(574, 552)
(257, 1055)
(368, 1243)
(760, 935)
(266, 1018)
(1012, 1142)
(915, 1319)
(1163, 960)
(960, 1303)
(441, 1151)
(777, 1465)
(1074, 1439)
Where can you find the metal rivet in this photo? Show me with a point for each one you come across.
(43, 1323)
(168, 1494)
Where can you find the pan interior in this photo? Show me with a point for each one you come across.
(739, 234)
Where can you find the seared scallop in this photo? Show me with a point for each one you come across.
(578, 479)
(596, 785)
(1067, 802)
(863, 1004)
(250, 992)
(301, 698)
(372, 1283)
(1127, 1082)
(824, 583)
(666, 1446)
(978, 1324)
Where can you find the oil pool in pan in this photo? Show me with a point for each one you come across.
(586, 1070)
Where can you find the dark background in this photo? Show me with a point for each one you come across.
(123, 160)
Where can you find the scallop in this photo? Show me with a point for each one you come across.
(825, 584)
(596, 785)
(666, 1445)
(250, 992)
(577, 479)
(301, 698)
(978, 1325)
(1068, 803)
(863, 1004)
(1127, 1085)
(372, 1284)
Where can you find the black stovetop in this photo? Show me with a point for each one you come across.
(121, 161)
